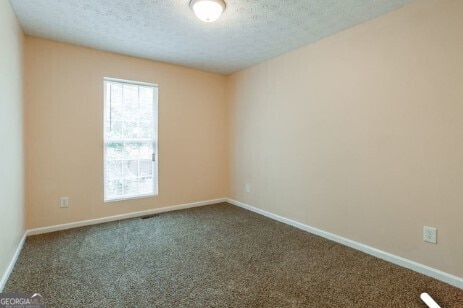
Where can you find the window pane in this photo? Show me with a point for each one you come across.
(145, 130)
(113, 189)
(113, 169)
(131, 187)
(133, 150)
(130, 102)
(146, 96)
(146, 168)
(129, 133)
(145, 151)
(115, 150)
(145, 185)
(115, 101)
(113, 129)
(132, 130)
(130, 168)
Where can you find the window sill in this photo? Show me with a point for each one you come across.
(127, 198)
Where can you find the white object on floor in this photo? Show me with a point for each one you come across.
(425, 297)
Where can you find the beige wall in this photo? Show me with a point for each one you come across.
(11, 135)
(361, 134)
(358, 134)
(64, 132)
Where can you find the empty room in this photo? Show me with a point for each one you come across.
(231, 153)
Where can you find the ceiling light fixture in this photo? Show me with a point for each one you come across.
(208, 10)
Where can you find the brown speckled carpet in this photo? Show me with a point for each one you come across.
(212, 256)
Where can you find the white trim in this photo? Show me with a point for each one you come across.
(139, 83)
(415, 266)
(122, 216)
(128, 197)
(89, 222)
(154, 140)
(12, 263)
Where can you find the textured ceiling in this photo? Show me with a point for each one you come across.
(249, 32)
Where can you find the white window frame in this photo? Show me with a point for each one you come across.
(154, 139)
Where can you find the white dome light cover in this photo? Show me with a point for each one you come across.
(208, 10)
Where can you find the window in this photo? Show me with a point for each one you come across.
(130, 139)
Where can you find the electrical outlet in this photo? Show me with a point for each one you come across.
(430, 235)
(64, 202)
(247, 188)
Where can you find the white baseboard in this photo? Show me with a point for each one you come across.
(89, 222)
(412, 265)
(417, 267)
(10, 267)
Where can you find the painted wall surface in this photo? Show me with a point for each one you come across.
(361, 134)
(11, 135)
(64, 132)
